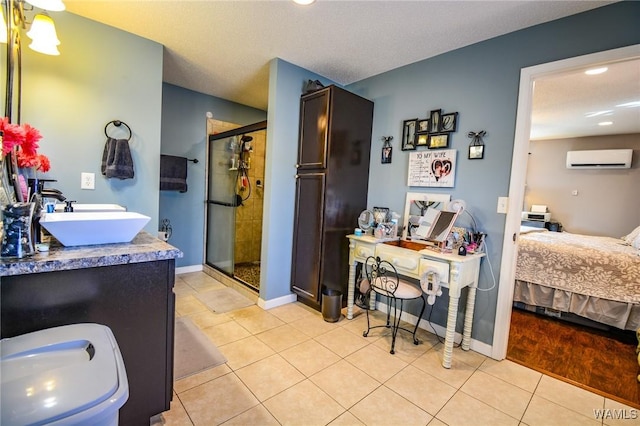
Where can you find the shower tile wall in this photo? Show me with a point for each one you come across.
(249, 215)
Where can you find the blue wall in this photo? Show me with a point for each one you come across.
(286, 84)
(102, 74)
(480, 82)
(184, 134)
(71, 97)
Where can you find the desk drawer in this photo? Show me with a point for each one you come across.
(363, 250)
(441, 267)
(407, 262)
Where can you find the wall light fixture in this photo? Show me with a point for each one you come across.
(42, 32)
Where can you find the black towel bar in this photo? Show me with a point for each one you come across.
(117, 123)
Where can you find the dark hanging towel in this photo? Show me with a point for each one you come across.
(116, 159)
(173, 173)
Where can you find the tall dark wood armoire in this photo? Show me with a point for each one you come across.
(331, 189)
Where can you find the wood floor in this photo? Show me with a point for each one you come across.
(584, 357)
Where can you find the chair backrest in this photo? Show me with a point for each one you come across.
(382, 276)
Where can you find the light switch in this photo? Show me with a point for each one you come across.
(503, 204)
(87, 180)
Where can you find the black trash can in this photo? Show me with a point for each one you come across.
(331, 304)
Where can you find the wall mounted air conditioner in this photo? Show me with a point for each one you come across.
(600, 159)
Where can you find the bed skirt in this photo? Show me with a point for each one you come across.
(622, 315)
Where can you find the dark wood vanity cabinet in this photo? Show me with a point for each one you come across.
(135, 301)
(331, 188)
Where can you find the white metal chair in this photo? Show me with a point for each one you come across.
(382, 277)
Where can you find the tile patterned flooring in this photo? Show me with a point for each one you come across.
(286, 366)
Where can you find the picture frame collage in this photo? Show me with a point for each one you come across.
(433, 132)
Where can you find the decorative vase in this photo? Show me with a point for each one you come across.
(7, 194)
(17, 239)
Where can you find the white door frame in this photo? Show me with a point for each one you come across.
(518, 178)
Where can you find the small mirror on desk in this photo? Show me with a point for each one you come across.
(426, 219)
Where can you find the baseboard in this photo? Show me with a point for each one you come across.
(278, 301)
(475, 345)
(187, 269)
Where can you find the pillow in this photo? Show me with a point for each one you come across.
(632, 236)
(636, 242)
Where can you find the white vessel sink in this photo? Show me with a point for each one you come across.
(86, 228)
(79, 207)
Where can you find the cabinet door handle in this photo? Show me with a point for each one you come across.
(297, 166)
(297, 176)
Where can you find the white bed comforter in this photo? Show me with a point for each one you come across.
(599, 267)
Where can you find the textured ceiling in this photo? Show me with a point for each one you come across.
(573, 103)
(223, 48)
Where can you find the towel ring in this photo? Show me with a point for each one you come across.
(118, 123)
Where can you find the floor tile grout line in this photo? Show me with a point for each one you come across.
(410, 361)
(185, 409)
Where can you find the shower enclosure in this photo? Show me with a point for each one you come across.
(235, 185)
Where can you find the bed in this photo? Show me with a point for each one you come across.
(593, 277)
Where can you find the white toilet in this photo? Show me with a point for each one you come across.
(68, 375)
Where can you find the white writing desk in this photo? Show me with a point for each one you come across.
(455, 272)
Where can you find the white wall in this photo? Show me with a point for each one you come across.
(607, 203)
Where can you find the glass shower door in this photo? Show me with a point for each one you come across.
(221, 207)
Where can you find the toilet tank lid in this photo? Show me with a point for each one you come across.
(53, 374)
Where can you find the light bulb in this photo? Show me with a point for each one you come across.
(3, 28)
(52, 5)
(43, 35)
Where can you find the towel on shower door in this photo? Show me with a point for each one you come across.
(116, 159)
(173, 173)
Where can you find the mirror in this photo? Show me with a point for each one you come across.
(365, 221)
(426, 218)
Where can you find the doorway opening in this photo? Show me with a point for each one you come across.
(235, 189)
(517, 182)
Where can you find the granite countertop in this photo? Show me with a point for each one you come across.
(143, 248)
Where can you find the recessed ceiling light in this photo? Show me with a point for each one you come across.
(597, 113)
(605, 123)
(304, 2)
(596, 71)
(633, 104)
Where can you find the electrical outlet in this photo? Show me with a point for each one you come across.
(503, 204)
(87, 180)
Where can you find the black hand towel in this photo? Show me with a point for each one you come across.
(109, 151)
(116, 159)
(173, 173)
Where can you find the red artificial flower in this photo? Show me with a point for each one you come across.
(31, 139)
(43, 163)
(38, 161)
(26, 138)
(25, 160)
(14, 135)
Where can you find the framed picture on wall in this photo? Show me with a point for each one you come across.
(438, 141)
(423, 126)
(409, 134)
(449, 122)
(386, 154)
(434, 121)
(476, 152)
(422, 139)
